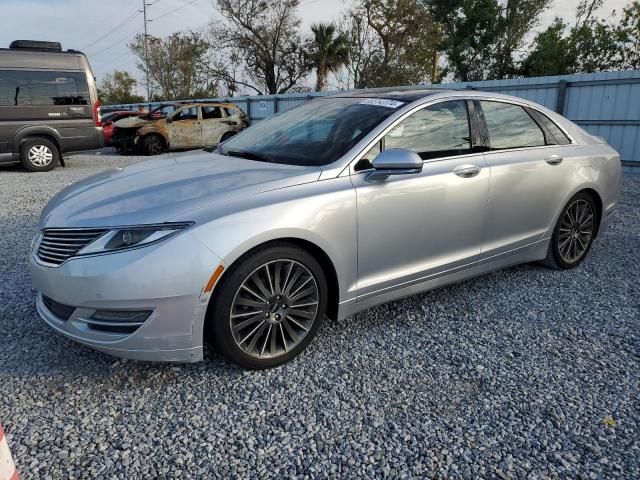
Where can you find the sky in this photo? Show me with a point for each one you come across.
(102, 28)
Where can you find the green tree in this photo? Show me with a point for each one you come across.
(551, 54)
(482, 37)
(326, 52)
(118, 87)
(628, 36)
(471, 32)
(591, 45)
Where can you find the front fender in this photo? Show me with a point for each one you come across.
(322, 213)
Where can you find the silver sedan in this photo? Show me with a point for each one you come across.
(324, 210)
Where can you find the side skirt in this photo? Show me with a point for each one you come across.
(533, 253)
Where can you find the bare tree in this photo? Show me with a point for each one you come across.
(178, 65)
(392, 42)
(265, 35)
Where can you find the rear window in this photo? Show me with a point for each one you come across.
(42, 88)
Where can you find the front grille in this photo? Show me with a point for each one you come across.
(60, 310)
(59, 244)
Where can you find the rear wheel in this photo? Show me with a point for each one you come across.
(39, 154)
(268, 307)
(574, 233)
(152, 145)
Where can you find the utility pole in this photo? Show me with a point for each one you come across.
(146, 52)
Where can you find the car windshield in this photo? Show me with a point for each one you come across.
(317, 133)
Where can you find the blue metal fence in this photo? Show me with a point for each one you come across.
(606, 103)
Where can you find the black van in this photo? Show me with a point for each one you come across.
(48, 104)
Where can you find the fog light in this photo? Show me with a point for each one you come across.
(121, 316)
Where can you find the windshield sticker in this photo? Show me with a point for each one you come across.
(381, 102)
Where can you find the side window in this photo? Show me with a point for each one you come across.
(510, 126)
(231, 111)
(211, 112)
(14, 90)
(58, 88)
(441, 130)
(558, 136)
(190, 113)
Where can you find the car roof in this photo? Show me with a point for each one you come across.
(196, 103)
(403, 95)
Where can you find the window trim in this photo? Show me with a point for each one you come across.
(348, 168)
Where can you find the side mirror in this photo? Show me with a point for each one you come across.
(395, 161)
(169, 119)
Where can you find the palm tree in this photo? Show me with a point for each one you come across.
(326, 52)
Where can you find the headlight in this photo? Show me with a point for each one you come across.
(132, 237)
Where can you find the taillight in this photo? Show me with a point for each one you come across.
(96, 113)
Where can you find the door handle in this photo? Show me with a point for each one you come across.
(466, 171)
(553, 160)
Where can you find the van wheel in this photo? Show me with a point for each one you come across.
(39, 154)
(152, 145)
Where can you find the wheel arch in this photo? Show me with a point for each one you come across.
(154, 133)
(593, 193)
(310, 247)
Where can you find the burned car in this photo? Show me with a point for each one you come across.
(178, 126)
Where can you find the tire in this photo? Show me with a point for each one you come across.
(226, 136)
(280, 332)
(573, 234)
(39, 154)
(152, 145)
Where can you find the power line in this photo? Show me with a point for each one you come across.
(128, 37)
(122, 23)
(174, 10)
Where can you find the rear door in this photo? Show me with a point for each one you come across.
(184, 128)
(530, 177)
(213, 125)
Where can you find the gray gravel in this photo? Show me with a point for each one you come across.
(523, 373)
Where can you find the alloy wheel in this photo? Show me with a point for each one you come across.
(274, 308)
(576, 231)
(40, 155)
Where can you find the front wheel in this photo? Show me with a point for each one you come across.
(268, 307)
(574, 233)
(152, 145)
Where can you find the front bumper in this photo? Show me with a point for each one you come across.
(124, 139)
(167, 279)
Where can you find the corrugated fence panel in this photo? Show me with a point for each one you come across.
(605, 103)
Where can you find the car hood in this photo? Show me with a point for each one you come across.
(158, 190)
(132, 122)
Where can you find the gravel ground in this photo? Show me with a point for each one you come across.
(522, 373)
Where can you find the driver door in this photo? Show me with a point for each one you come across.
(184, 128)
(415, 226)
